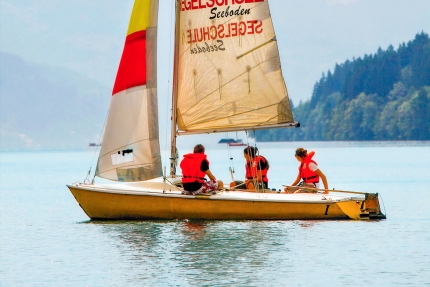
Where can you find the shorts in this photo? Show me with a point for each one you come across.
(208, 186)
(302, 188)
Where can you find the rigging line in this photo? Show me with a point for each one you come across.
(169, 84)
(247, 138)
(99, 144)
(257, 153)
(231, 167)
(385, 211)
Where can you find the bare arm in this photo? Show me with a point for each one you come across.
(210, 175)
(323, 178)
(298, 178)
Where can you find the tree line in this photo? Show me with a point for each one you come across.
(384, 96)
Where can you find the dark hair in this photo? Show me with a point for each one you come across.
(301, 152)
(251, 151)
(199, 149)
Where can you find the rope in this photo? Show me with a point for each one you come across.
(256, 185)
(382, 201)
(86, 180)
(231, 167)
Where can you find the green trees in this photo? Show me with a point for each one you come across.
(385, 96)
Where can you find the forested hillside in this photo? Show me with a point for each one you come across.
(384, 96)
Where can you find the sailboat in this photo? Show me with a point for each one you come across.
(233, 142)
(237, 143)
(227, 78)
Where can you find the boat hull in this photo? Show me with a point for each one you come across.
(113, 204)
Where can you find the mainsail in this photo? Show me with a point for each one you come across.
(130, 147)
(228, 68)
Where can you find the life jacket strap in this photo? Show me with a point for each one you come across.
(305, 179)
(196, 177)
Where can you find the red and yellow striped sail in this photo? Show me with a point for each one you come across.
(130, 147)
(132, 68)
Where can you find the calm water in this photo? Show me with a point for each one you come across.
(47, 240)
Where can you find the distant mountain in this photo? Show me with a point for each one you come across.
(385, 96)
(47, 107)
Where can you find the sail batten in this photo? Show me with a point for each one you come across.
(229, 71)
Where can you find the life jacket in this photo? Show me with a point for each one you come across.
(306, 173)
(251, 168)
(190, 166)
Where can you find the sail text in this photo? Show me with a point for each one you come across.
(233, 29)
(187, 5)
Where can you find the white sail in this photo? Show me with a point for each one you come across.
(130, 148)
(229, 72)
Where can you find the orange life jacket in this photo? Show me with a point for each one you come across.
(306, 173)
(251, 168)
(190, 166)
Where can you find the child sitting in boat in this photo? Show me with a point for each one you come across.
(309, 174)
(195, 167)
(256, 168)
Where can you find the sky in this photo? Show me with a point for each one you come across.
(87, 36)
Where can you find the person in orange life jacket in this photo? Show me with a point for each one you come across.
(256, 169)
(195, 167)
(309, 172)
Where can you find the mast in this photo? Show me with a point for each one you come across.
(175, 91)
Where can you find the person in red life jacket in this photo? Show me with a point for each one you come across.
(195, 167)
(256, 168)
(309, 173)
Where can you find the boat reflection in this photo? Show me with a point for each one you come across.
(196, 246)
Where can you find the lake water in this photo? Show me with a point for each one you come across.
(47, 240)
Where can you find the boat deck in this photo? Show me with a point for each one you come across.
(159, 188)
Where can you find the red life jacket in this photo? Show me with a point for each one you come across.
(190, 166)
(306, 174)
(251, 168)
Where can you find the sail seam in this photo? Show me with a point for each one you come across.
(239, 114)
(256, 48)
(233, 79)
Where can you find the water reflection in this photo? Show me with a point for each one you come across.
(203, 252)
(194, 229)
(307, 224)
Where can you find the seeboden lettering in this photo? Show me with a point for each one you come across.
(206, 48)
(187, 5)
(228, 12)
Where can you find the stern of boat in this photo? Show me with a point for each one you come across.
(371, 207)
(367, 208)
